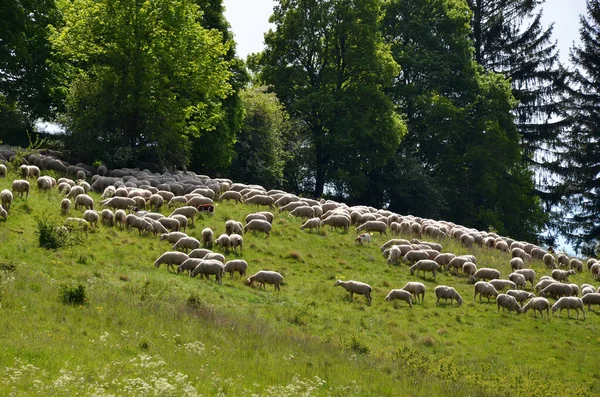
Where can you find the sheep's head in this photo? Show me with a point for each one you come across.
(337, 282)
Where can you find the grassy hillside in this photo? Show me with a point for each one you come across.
(145, 331)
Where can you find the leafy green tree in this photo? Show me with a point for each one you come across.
(27, 77)
(579, 166)
(328, 65)
(144, 77)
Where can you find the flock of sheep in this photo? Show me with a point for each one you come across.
(134, 199)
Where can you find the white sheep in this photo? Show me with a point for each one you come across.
(415, 255)
(529, 275)
(83, 200)
(76, 223)
(400, 294)
(232, 226)
(199, 253)
(469, 269)
(313, 223)
(107, 216)
(258, 225)
(171, 258)
(394, 255)
(576, 264)
(3, 212)
(92, 217)
(444, 292)
(44, 183)
(539, 304)
(569, 302)
(548, 260)
(236, 241)
(562, 275)
(587, 290)
(507, 302)
(260, 199)
(303, 212)
(224, 242)
(188, 211)
(207, 267)
(156, 201)
(119, 203)
(557, 290)
(484, 289)
(595, 270)
(501, 284)
(142, 225)
(544, 283)
(520, 296)
(445, 258)
(516, 263)
(425, 265)
(171, 224)
(215, 256)
(6, 199)
(519, 280)
(486, 273)
(3, 170)
(20, 186)
(356, 287)
(207, 237)
(186, 243)
(236, 265)
(120, 217)
(591, 299)
(563, 260)
(188, 265)
(417, 289)
(266, 277)
(231, 195)
(373, 226)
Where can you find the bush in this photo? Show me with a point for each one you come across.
(72, 295)
(52, 235)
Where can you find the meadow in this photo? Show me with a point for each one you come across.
(145, 331)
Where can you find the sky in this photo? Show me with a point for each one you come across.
(249, 20)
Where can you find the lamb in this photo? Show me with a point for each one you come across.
(529, 275)
(416, 289)
(170, 223)
(501, 284)
(373, 226)
(516, 263)
(363, 238)
(356, 287)
(92, 217)
(266, 277)
(507, 302)
(469, 269)
(400, 294)
(302, 212)
(415, 255)
(518, 279)
(20, 186)
(336, 221)
(224, 242)
(236, 241)
(591, 299)
(120, 217)
(520, 296)
(313, 223)
(83, 200)
(484, 289)
(65, 206)
(236, 265)
(261, 200)
(232, 226)
(557, 290)
(171, 258)
(485, 273)
(445, 293)
(258, 225)
(424, 265)
(186, 243)
(108, 218)
(562, 275)
(6, 199)
(206, 267)
(199, 253)
(576, 264)
(119, 203)
(188, 211)
(207, 237)
(539, 304)
(549, 261)
(569, 302)
(231, 195)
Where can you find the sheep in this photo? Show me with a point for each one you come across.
(590, 262)
(557, 290)
(199, 253)
(569, 302)
(400, 294)
(108, 218)
(456, 263)
(260, 199)
(516, 263)
(394, 241)
(258, 225)
(266, 277)
(415, 255)
(236, 265)
(445, 293)
(335, 221)
(92, 217)
(142, 225)
(171, 258)
(75, 191)
(3, 171)
(394, 254)
(236, 241)
(76, 223)
(29, 171)
(548, 260)
(544, 283)
(3, 212)
(231, 195)
(206, 267)
(539, 304)
(529, 275)
(501, 284)
(120, 217)
(501, 246)
(434, 246)
(563, 260)
(255, 215)
(20, 186)
(591, 299)
(83, 200)
(417, 289)
(188, 265)
(170, 223)
(576, 264)
(444, 259)
(595, 270)
(424, 265)
(232, 227)
(6, 199)
(485, 273)
(224, 242)
(484, 289)
(469, 269)
(356, 287)
(44, 183)
(118, 203)
(156, 201)
(467, 240)
(293, 205)
(587, 290)
(303, 212)
(64, 188)
(267, 215)
(518, 279)
(188, 211)
(186, 243)
(520, 296)
(313, 223)
(373, 226)
(207, 237)
(157, 227)
(562, 275)
(362, 238)
(507, 302)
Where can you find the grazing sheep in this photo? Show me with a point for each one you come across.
(507, 302)
(2, 170)
(557, 290)
(549, 261)
(356, 287)
(83, 200)
(394, 241)
(207, 237)
(199, 253)
(6, 199)
(171, 224)
(171, 258)
(373, 226)
(424, 265)
(188, 211)
(467, 240)
(544, 283)
(501, 284)
(232, 226)
(517, 263)
(65, 206)
(400, 294)
(120, 217)
(394, 255)
(590, 262)
(260, 199)
(444, 292)
(456, 263)
(595, 270)
(157, 227)
(587, 290)
(266, 277)
(44, 183)
(335, 221)
(501, 246)
(108, 218)
(156, 201)
(444, 259)
(215, 256)
(258, 225)
(302, 212)
(469, 269)
(569, 302)
(484, 289)
(224, 242)
(186, 243)
(236, 241)
(520, 296)
(231, 195)
(255, 215)
(3, 212)
(485, 273)
(142, 225)
(415, 255)
(563, 260)
(188, 265)
(118, 203)
(576, 264)
(313, 223)
(172, 237)
(363, 238)
(529, 275)
(207, 267)
(92, 217)
(267, 215)
(236, 265)
(539, 304)
(75, 191)
(591, 299)
(562, 275)
(20, 186)
(518, 279)
(417, 289)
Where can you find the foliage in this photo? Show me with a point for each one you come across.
(72, 295)
(144, 76)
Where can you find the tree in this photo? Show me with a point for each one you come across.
(328, 65)
(27, 76)
(579, 213)
(144, 77)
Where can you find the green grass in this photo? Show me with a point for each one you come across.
(145, 331)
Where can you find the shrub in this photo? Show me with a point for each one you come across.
(72, 295)
(50, 234)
